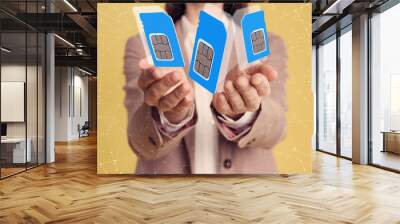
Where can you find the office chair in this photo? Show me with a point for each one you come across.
(84, 130)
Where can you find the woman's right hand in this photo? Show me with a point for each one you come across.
(167, 89)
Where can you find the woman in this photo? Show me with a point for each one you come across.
(187, 130)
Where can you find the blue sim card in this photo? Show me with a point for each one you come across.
(209, 46)
(255, 36)
(161, 39)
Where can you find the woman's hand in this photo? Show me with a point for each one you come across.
(244, 90)
(167, 89)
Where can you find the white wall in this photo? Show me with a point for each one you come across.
(62, 81)
(71, 94)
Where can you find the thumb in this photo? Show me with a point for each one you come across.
(150, 69)
(264, 68)
(144, 64)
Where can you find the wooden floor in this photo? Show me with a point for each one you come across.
(69, 191)
(5, 172)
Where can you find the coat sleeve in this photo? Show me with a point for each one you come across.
(269, 128)
(143, 135)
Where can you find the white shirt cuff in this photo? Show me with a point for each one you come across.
(243, 121)
(170, 127)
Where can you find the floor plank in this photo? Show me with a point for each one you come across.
(70, 191)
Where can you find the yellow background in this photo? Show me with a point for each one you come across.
(116, 24)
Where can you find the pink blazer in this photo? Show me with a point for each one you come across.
(250, 154)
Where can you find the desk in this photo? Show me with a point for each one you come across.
(13, 150)
(391, 141)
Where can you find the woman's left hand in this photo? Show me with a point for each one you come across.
(244, 90)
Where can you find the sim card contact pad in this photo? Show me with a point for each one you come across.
(161, 46)
(204, 58)
(258, 41)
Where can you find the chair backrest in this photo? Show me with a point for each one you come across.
(86, 124)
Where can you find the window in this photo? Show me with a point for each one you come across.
(346, 93)
(327, 96)
(394, 102)
(385, 89)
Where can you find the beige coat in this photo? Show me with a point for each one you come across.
(250, 154)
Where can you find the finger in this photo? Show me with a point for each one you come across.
(185, 103)
(149, 75)
(234, 98)
(234, 73)
(172, 99)
(158, 89)
(144, 64)
(156, 73)
(221, 104)
(146, 78)
(263, 68)
(260, 82)
(248, 93)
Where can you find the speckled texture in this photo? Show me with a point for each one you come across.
(116, 24)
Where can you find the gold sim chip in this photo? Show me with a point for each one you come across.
(203, 61)
(161, 47)
(258, 41)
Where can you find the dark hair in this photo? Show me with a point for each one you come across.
(177, 10)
